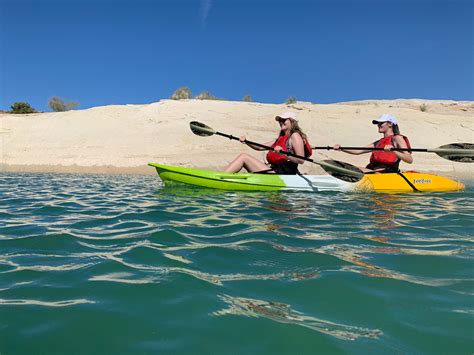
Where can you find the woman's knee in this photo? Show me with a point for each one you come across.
(244, 156)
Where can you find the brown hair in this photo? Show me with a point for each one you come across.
(395, 129)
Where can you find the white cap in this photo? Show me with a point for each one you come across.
(385, 118)
(287, 114)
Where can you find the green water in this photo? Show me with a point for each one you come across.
(121, 265)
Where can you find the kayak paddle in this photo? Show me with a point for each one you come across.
(340, 170)
(459, 152)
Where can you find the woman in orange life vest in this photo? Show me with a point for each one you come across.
(290, 139)
(385, 161)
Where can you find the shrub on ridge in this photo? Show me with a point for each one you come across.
(206, 95)
(59, 105)
(182, 93)
(22, 108)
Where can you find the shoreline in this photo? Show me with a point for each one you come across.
(75, 169)
(146, 170)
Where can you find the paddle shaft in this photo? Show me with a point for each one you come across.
(321, 163)
(266, 147)
(434, 150)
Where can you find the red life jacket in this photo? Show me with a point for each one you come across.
(382, 158)
(275, 158)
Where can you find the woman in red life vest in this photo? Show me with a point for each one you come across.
(290, 139)
(385, 161)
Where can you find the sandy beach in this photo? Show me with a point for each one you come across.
(123, 139)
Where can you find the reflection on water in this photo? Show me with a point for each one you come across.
(384, 209)
(283, 313)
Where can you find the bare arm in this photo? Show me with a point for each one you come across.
(400, 143)
(298, 148)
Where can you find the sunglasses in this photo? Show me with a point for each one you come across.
(282, 120)
(380, 124)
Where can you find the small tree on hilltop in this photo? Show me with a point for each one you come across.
(59, 105)
(206, 95)
(22, 107)
(291, 100)
(247, 98)
(182, 93)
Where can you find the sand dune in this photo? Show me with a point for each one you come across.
(123, 139)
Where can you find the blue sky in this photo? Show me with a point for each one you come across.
(133, 52)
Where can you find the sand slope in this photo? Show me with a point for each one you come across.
(123, 139)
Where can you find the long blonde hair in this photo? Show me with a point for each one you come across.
(295, 128)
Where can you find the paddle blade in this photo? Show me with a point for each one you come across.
(459, 152)
(201, 129)
(343, 171)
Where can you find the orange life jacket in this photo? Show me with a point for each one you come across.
(275, 158)
(383, 159)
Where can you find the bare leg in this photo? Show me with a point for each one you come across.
(244, 160)
(370, 171)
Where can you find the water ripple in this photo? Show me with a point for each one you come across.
(65, 303)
